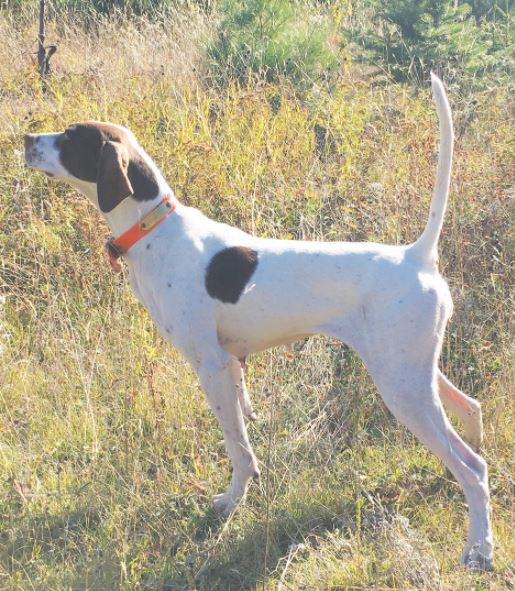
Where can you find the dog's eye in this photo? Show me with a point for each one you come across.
(66, 137)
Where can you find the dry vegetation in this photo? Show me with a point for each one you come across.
(108, 452)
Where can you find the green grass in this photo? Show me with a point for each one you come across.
(270, 39)
(108, 451)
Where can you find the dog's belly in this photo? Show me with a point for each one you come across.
(271, 314)
(259, 323)
(241, 347)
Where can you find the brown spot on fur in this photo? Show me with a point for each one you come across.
(113, 184)
(228, 273)
(81, 153)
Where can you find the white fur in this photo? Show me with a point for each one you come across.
(389, 303)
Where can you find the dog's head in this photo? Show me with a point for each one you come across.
(104, 156)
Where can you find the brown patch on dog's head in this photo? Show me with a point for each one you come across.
(104, 154)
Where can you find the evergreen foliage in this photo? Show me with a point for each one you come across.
(271, 38)
(408, 39)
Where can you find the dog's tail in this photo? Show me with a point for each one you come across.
(425, 248)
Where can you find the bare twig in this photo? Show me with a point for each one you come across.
(44, 53)
(41, 39)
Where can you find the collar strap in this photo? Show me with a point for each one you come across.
(117, 247)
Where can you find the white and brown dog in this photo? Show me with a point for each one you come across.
(219, 294)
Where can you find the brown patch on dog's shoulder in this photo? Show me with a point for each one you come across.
(229, 272)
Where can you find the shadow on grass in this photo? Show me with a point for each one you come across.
(35, 547)
(247, 556)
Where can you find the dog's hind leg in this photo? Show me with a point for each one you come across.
(465, 408)
(411, 393)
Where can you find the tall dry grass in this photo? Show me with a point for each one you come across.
(108, 452)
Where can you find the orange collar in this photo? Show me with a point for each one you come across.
(116, 247)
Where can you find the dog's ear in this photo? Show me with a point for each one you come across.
(142, 179)
(113, 184)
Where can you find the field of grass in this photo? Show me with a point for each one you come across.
(108, 451)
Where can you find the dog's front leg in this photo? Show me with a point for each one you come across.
(237, 368)
(217, 380)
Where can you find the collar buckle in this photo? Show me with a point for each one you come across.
(113, 255)
(113, 250)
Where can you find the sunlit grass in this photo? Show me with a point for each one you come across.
(108, 451)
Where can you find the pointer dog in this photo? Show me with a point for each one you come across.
(219, 294)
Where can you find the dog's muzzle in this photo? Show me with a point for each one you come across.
(33, 154)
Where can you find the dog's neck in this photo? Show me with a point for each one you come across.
(129, 211)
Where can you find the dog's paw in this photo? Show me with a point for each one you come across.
(225, 503)
(247, 410)
(474, 443)
(477, 561)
